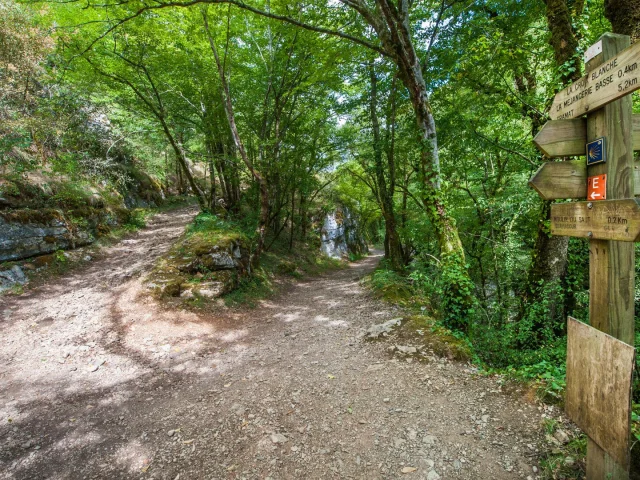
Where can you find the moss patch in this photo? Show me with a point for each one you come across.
(423, 331)
(208, 261)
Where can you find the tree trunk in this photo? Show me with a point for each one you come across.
(563, 38)
(293, 211)
(458, 301)
(393, 247)
(182, 160)
(624, 16)
(549, 257)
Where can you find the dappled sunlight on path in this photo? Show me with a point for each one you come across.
(99, 381)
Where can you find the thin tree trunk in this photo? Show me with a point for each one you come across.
(182, 160)
(393, 248)
(262, 184)
(293, 210)
(394, 33)
(549, 256)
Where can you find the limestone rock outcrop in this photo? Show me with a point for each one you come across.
(341, 235)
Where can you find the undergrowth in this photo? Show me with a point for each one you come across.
(280, 262)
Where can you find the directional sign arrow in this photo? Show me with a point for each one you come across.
(555, 180)
(604, 220)
(558, 180)
(566, 138)
(615, 78)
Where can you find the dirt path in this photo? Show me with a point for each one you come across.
(97, 381)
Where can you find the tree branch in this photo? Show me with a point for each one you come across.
(188, 3)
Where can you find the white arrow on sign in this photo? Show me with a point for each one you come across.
(595, 195)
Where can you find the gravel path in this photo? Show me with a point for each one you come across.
(98, 381)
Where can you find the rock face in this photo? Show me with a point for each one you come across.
(11, 277)
(27, 233)
(40, 214)
(341, 235)
(199, 266)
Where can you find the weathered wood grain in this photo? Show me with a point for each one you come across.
(562, 138)
(568, 179)
(611, 279)
(599, 373)
(607, 81)
(603, 220)
(556, 180)
(562, 180)
(567, 138)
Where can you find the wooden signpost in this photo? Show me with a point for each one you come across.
(608, 220)
(598, 368)
(568, 179)
(561, 180)
(606, 81)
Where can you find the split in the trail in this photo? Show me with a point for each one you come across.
(99, 381)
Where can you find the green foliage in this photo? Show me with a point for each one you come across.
(457, 293)
(136, 219)
(60, 257)
(391, 285)
(207, 222)
(69, 195)
(566, 462)
(66, 163)
(542, 321)
(251, 290)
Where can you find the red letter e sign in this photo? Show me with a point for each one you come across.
(597, 187)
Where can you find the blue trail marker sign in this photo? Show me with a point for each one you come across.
(611, 225)
(596, 151)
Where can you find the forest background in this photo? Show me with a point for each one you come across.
(418, 117)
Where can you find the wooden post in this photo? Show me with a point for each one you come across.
(611, 263)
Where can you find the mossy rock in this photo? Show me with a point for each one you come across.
(286, 267)
(44, 260)
(439, 340)
(43, 216)
(206, 263)
(172, 289)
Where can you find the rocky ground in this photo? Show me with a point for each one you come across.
(98, 381)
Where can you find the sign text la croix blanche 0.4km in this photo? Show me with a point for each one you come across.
(613, 79)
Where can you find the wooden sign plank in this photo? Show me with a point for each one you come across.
(555, 180)
(599, 372)
(567, 138)
(611, 263)
(564, 180)
(562, 138)
(604, 220)
(603, 84)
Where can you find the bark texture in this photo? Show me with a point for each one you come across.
(624, 16)
(549, 258)
(391, 23)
